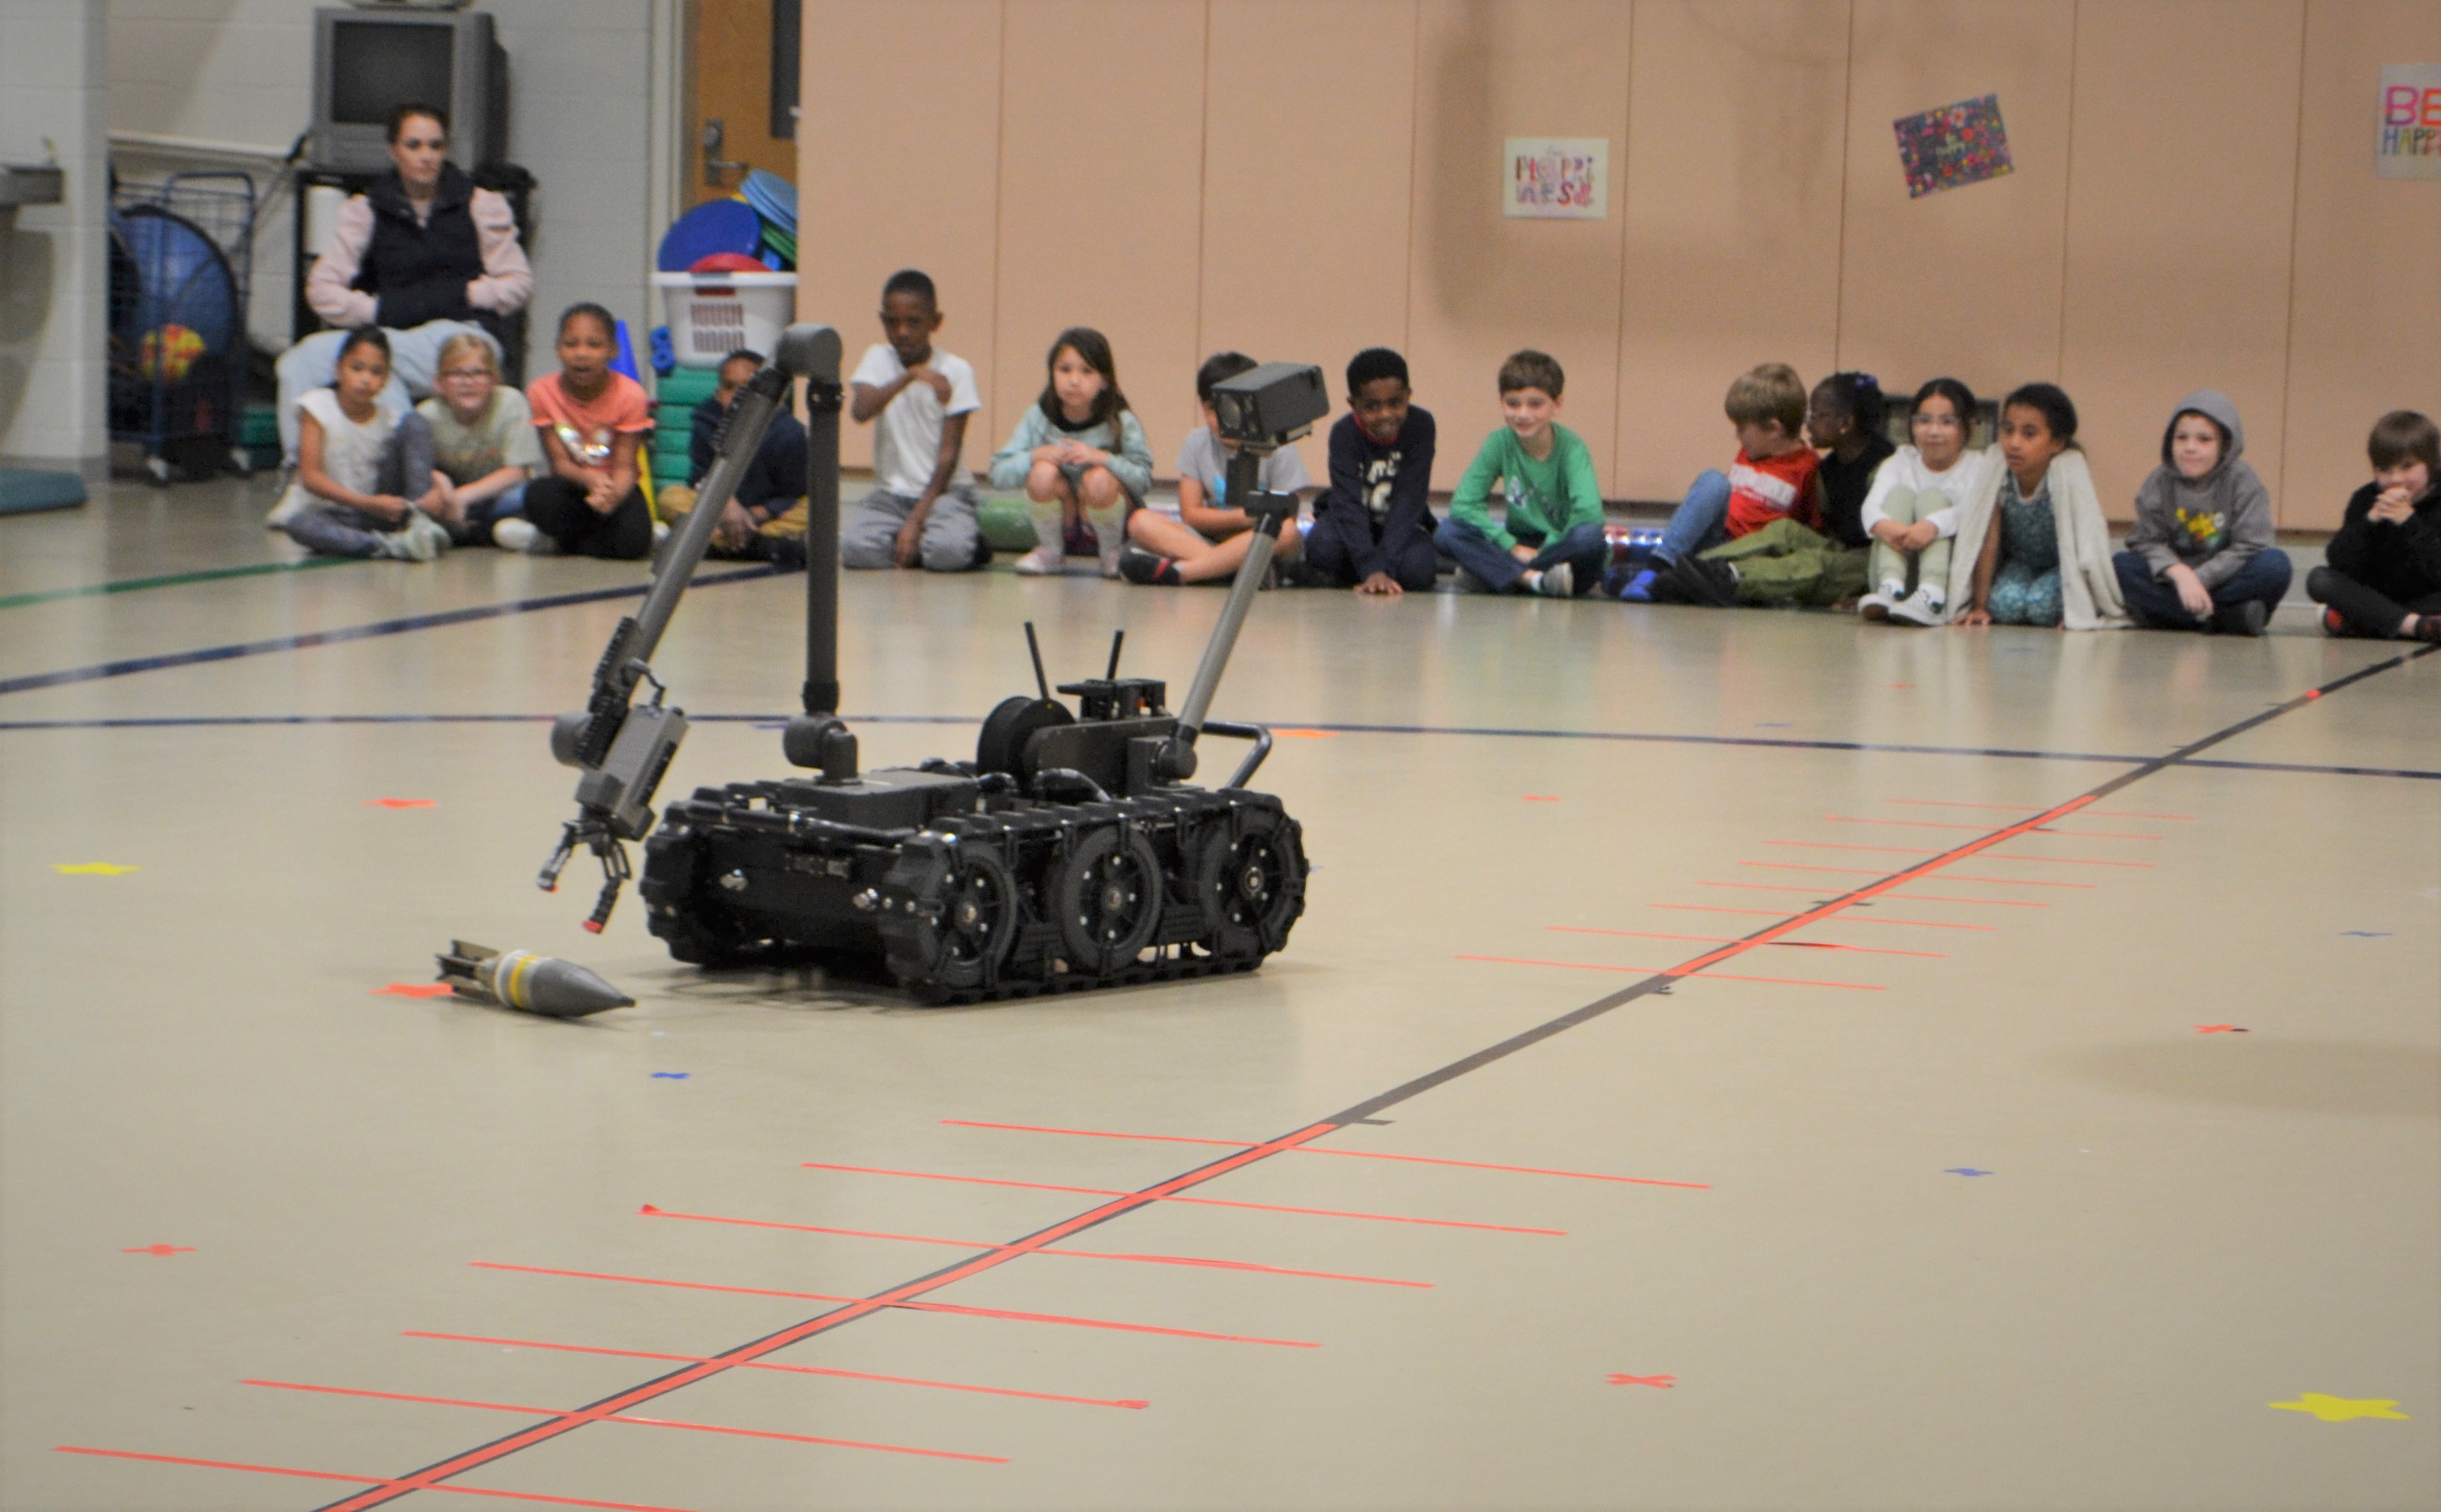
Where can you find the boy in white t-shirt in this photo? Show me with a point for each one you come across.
(922, 508)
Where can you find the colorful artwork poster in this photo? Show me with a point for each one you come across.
(2409, 145)
(1954, 146)
(1556, 178)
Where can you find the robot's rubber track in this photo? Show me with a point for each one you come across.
(992, 897)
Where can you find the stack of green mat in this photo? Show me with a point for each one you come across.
(675, 394)
(258, 434)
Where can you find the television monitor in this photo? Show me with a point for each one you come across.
(367, 61)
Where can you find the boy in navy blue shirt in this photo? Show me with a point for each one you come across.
(1373, 531)
(766, 520)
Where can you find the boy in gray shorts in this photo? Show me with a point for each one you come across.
(922, 508)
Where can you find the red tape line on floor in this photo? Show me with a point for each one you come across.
(376, 1481)
(1361, 1155)
(1209, 1202)
(1009, 1314)
(1716, 976)
(1721, 939)
(593, 1415)
(1911, 897)
(1912, 923)
(678, 1380)
(792, 1370)
(652, 1212)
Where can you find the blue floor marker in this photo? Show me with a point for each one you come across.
(1964, 1170)
(671, 1076)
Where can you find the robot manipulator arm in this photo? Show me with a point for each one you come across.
(620, 748)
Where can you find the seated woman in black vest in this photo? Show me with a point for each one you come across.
(424, 254)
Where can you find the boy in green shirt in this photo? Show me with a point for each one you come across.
(1552, 542)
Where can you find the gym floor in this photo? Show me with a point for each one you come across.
(1769, 1062)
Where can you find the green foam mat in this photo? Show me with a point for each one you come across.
(1007, 522)
(686, 386)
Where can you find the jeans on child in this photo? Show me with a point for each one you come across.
(2154, 604)
(1584, 549)
(1927, 567)
(508, 503)
(341, 529)
(414, 355)
(1700, 522)
(1344, 534)
(952, 541)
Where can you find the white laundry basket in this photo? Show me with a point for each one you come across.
(712, 314)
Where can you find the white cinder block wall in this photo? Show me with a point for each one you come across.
(592, 99)
(54, 269)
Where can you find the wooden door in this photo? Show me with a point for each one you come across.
(733, 46)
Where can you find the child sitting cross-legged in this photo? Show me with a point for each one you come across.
(2384, 574)
(1373, 531)
(921, 511)
(2033, 548)
(1753, 537)
(765, 519)
(591, 420)
(1912, 511)
(1080, 453)
(2200, 556)
(483, 447)
(1208, 537)
(1550, 539)
(364, 473)
(1845, 422)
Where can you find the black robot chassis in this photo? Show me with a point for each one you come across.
(1070, 854)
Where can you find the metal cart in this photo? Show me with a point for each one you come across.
(181, 260)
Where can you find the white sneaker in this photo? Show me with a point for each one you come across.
(1559, 582)
(515, 534)
(421, 539)
(291, 498)
(1042, 562)
(1923, 607)
(1876, 606)
(1113, 538)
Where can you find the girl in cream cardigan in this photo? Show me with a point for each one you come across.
(2033, 547)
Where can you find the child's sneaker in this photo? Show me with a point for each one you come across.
(1924, 606)
(1468, 583)
(421, 539)
(1876, 605)
(2247, 619)
(2335, 623)
(1638, 589)
(1141, 566)
(1042, 562)
(1559, 582)
(1712, 585)
(515, 534)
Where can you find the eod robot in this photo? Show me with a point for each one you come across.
(1072, 851)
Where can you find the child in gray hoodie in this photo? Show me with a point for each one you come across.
(2201, 556)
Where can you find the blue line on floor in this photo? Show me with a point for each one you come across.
(344, 634)
(192, 721)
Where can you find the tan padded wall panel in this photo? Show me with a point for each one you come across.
(1732, 220)
(869, 210)
(2368, 276)
(1482, 285)
(2179, 225)
(1309, 122)
(1964, 282)
(1101, 175)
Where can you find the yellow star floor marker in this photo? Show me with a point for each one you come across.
(2338, 1409)
(89, 869)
